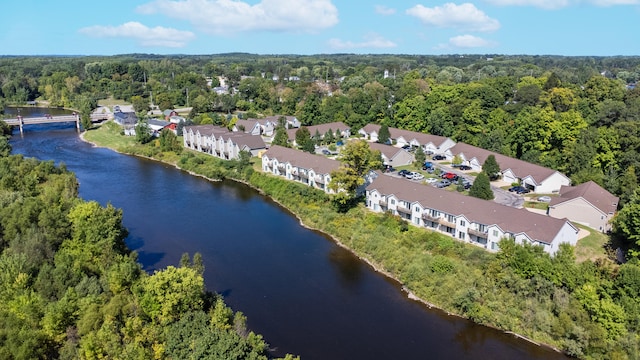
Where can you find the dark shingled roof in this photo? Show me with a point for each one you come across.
(301, 159)
(591, 192)
(408, 135)
(539, 227)
(519, 167)
(322, 129)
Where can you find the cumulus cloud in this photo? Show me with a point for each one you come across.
(469, 41)
(145, 36)
(558, 4)
(370, 41)
(464, 17)
(383, 10)
(232, 16)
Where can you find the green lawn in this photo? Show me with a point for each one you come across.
(111, 102)
(108, 135)
(536, 205)
(593, 246)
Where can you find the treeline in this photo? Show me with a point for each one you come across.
(579, 115)
(70, 288)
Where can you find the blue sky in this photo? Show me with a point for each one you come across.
(306, 27)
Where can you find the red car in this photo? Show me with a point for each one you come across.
(449, 176)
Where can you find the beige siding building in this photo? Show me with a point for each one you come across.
(587, 204)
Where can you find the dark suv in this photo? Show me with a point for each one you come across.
(438, 157)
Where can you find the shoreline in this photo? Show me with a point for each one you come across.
(372, 264)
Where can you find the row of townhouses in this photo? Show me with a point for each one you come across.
(480, 222)
(221, 142)
(476, 221)
(265, 126)
(587, 204)
(535, 177)
(309, 169)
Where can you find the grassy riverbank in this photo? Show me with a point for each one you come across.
(557, 301)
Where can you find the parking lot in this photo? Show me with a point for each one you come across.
(501, 196)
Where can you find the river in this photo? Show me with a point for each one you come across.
(303, 293)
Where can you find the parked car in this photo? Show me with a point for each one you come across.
(431, 180)
(326, 152)
(519, 189)
(467, 184)
(544, 198)
(389, 168)
(449, 176)
(417, 176)
(443, 183)
(427, 165)
(438, 157)
(404, 172)
(464, 167)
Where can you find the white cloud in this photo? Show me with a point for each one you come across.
(146, 36)
(558, 4)
(383, 10)
(464, 17)
(232, 16)
(469, 41)
(370, 41)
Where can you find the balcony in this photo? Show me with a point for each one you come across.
(446, 223)
(303, 174)
(478, 233)
(382, 202)
(403, 209)
(428, 217)
(319, 179)
(294, 171)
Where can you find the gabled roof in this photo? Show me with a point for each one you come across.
(252, 142)
(591, 192)
(274, 119)
(387, 150)
(408, 135)
(538, 227)
(207, 129)
(249, 124)
(301, 159)
(125, 118)
(321, 128)
(520, 168)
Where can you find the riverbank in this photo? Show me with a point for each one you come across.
(346, 238)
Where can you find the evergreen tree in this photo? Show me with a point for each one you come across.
(328, 137)
(481, 187)
(383, 134)
(491, 168)
(281, 137)
(420, 156)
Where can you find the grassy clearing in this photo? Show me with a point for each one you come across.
(112, 102)
(593, 246)
(109, 135)
(536, 205)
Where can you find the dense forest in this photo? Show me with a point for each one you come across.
(579, 115)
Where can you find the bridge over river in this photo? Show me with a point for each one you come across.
(49, 119)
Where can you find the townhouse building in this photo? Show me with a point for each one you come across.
(588, 204)
(221, 142)
(310, 169)
(476, 221)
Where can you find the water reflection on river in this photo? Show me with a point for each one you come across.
(306, 295)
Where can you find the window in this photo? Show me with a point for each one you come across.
(435, 213)
(417, 209)
(416, 220)
(461, 235)
(451, 219)
(393, 202)
(495, 233)
(463, 223)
